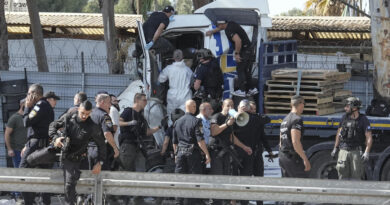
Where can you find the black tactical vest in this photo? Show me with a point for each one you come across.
(352, 134)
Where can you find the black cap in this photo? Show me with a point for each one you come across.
(51, 94)
(169, 9)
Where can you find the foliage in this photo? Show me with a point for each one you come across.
(184, 6)
(92, 7)
(126, 7)
(74, 6)
(297, 12)
(325, 7)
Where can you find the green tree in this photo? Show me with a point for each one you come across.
(61, 5)
(325, 7)
(92, 7)
(126, 7)
(297, 12)
(160, 4)
(184, 6)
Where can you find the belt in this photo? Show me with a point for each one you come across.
(352, 148)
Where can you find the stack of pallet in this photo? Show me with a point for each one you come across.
(318, 87)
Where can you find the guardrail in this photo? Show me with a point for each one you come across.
(200, 186)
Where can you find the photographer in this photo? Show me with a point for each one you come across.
(78, 129)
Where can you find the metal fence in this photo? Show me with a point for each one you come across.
(200, 186)
(66, 85)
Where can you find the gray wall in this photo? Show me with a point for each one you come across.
(65, 85)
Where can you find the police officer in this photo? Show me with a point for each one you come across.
(153, 27)
(354, 131)
(261, 143)
(292, 159)
(188, 143)
(243, 54)
(208, 78)
(38, 114)
(101, 117)
(167, 146)
(79, 129)
(133, 128)
(222, 138)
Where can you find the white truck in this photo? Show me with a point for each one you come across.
(188, 33)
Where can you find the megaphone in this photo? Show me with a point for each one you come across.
(241, 118)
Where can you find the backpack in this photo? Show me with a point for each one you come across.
(378, 108)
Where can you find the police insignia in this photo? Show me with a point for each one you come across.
(201, 128)
(32, 114)
(108, 123)
(36, 108)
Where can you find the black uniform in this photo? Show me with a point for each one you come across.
(130, 147)
(244, 67)
(220, 149)
(150, 27)
(103, 119)
(212, 78)
(261, 145)
(36, 120)
(187, 132)
(79, 133)
(290, 162)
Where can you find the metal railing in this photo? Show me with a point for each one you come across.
(200, 186)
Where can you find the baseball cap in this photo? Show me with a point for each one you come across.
(51, 94)
(168, 9)
(221, 22)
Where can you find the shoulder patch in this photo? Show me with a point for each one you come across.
(36, 108)
(39, 102)
(32, 114)
(108, 121)
(201, 128)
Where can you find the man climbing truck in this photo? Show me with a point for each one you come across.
(188, 33)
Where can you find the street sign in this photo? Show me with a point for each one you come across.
(15, 6)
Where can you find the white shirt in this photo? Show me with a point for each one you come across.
(114, 114)
(179, 76)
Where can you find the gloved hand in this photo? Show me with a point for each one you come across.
(365, 156)
(149, 45)
(334, 152)
(171, 18)
(131, 123)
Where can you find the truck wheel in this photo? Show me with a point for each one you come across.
(385, 174)
(323, 166)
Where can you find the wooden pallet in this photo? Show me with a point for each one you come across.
(307, 104)
(295, 82)
(287, 98)
(302, 93)
(324, 75)
(306, 111)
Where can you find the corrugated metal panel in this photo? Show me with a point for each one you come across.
(80, 20)
(65, 85)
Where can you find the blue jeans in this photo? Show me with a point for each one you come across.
(16, 162)
(16, 159)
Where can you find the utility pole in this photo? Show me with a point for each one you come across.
(112, 44)
(36, 30)
(380, 35)
(4, 57)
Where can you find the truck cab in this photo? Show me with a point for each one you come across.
(188, 33)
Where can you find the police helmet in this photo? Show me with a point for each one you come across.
(176, 114)
(353, 102)
(204, 53)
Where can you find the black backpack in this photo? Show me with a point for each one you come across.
(378, 108)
